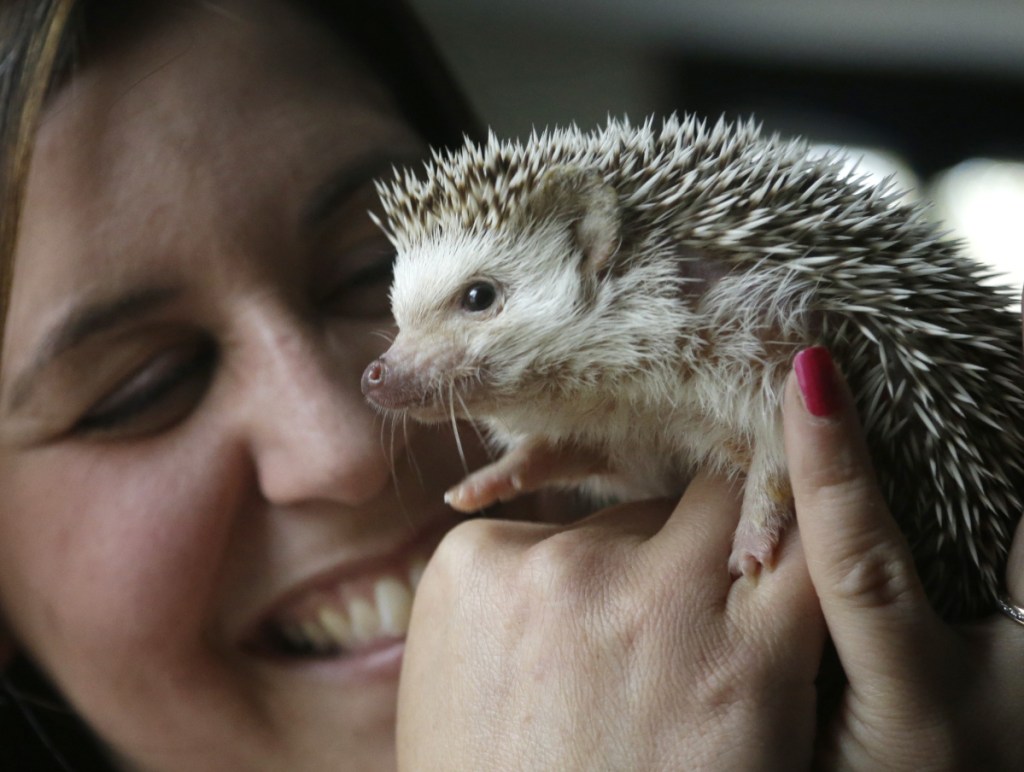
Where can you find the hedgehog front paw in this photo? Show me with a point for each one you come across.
(484, 487)
(752, 550)
(529, 466)
(767, 509)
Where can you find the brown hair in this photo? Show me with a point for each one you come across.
(31, 31)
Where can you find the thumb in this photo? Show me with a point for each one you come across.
(860, 564)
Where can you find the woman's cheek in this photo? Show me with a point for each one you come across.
(110, 550)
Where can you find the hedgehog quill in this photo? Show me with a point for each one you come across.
(621, 308)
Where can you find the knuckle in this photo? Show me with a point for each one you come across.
(567, 563)
(470, 547)
(471, 536)
(873, 576)
(870, 562)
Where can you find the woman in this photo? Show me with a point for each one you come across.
(203, 543)
(209, 183)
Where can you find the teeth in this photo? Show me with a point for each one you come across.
(320, 639)
(335, 623)
(365, 620)
(394, 602)
(331, 622)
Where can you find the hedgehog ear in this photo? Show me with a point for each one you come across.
(592, 207)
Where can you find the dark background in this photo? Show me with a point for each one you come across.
(930, 84)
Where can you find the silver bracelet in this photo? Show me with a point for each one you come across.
(1013, 611)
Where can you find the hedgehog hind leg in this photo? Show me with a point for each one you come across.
(530, 465)
(767, 509)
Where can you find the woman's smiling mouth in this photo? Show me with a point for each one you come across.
(347, 611)
(346, 618)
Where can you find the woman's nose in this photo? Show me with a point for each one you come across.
(312, 435)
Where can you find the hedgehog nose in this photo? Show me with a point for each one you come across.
(374, 376)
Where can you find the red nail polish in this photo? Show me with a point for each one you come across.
(816, 377)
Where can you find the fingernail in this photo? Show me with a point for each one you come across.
(816, 377)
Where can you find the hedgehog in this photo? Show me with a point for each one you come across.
(620, 308)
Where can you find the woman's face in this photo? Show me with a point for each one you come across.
(201, 539)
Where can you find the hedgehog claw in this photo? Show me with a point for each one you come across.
(481, 489)
(752, 551)
(747, 564)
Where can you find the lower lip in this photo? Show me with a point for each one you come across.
(384, 662)
(381, 663)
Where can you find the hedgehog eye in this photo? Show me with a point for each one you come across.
(479, 296)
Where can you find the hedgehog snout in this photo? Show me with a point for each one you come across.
(391, 384)
(375, 377)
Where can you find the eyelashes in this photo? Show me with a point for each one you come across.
(155, 398)
(168, 386)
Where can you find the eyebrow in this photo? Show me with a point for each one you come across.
(85, 321)
(93, 318)
(346, 182)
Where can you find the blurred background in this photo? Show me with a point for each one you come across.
(929, 90)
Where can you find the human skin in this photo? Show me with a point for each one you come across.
(203, 458)
(922, 694)
(518, 627)
(516, 624)
(133, 560)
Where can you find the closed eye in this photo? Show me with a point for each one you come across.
(156, 397)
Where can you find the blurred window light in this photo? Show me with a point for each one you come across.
(875, 166)
(982, 202)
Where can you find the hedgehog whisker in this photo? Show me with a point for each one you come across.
(455, 426)
(409, 450)
(476, 429)
(393, 420)
(389, 337)
(409, 454)
(384, 418)
(389, 452)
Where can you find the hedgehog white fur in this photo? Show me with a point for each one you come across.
(622, 307)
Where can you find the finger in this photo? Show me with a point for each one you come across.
(638, 519)
(788, 586)
(783, 610)
(701, 527)
(860, 565)
(498, 541)
(504, 540)
(783, 600)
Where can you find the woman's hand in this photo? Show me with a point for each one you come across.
(618, 642)
(921, 694)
